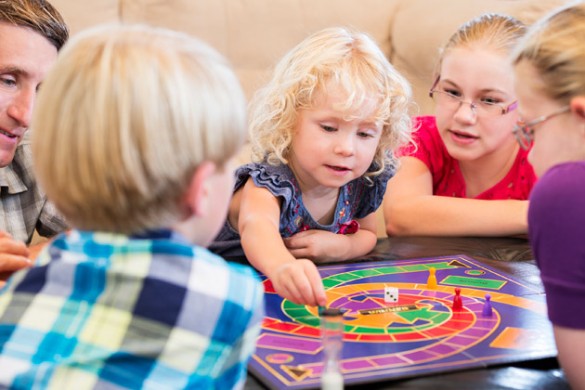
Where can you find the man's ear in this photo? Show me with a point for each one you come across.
(197, 196)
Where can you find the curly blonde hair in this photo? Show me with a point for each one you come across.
(352, 61)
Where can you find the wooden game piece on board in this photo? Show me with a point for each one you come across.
(457, 301)
(487, 306)
(432, 280)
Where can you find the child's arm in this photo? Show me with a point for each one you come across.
(410, 208)
(258, 225)
(324, 246)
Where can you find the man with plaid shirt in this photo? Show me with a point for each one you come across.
(31, 33)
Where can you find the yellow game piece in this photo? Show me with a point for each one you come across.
(432, 280)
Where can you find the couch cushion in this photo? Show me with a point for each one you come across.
(82, 14)
(254, 34)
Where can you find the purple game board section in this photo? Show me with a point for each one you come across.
(279, 342)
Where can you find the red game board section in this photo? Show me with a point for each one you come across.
(268, 287)
(290, 327)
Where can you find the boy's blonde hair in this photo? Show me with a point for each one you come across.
(123, 120)
(495, 31)
(352, 61)
(554, 46)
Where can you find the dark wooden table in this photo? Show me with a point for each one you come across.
(511, 255)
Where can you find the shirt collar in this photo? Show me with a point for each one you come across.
(10, 180)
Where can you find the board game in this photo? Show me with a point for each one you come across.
(420, 334)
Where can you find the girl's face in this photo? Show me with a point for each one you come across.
(329, 148)
(481, 76)
(559, 139)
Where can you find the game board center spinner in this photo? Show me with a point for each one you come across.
(418, 334)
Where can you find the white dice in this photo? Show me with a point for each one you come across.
(390, 294)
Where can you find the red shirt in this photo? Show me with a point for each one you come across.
(447, 177)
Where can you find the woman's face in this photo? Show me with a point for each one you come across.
(482, 76)
(561, 138)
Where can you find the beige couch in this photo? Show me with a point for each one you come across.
(254, 34)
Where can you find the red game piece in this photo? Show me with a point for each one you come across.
(457, 301)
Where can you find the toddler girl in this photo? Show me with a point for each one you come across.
(323, 133)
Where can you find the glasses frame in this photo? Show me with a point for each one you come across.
(473, 105)
(524, 131)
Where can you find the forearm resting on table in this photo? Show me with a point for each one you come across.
(446, 216)
(359, 244)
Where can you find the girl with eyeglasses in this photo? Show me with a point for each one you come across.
(466, 174)
(549, 65)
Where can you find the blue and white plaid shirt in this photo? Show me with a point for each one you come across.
(102, 310)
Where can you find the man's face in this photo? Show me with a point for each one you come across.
(25, 58)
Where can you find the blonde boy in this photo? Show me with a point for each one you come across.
(133, 139)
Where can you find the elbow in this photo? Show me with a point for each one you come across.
(397, 224)
(396, 229)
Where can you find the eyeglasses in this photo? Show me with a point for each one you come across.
(524, 132)
(482, 108)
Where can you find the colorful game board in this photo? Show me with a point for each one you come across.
(420, 334)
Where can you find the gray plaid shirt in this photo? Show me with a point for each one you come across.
(23, 207)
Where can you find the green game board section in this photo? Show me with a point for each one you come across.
(338, 279)
(300, 313)
(474, 282)
(432, 319)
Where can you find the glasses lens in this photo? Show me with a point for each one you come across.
(445, 99)
(489, 109)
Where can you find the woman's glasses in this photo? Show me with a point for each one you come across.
(524, 131)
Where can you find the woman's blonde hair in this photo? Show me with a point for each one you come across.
(554, 46)
(494, 31)
(352, 61)
(123, 120)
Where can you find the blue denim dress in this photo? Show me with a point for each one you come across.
(356, 199)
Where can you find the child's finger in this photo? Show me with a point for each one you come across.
(309, 284)
(317, 286)
(292, 293)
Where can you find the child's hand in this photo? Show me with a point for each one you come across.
(299, 282)
(317, 245)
